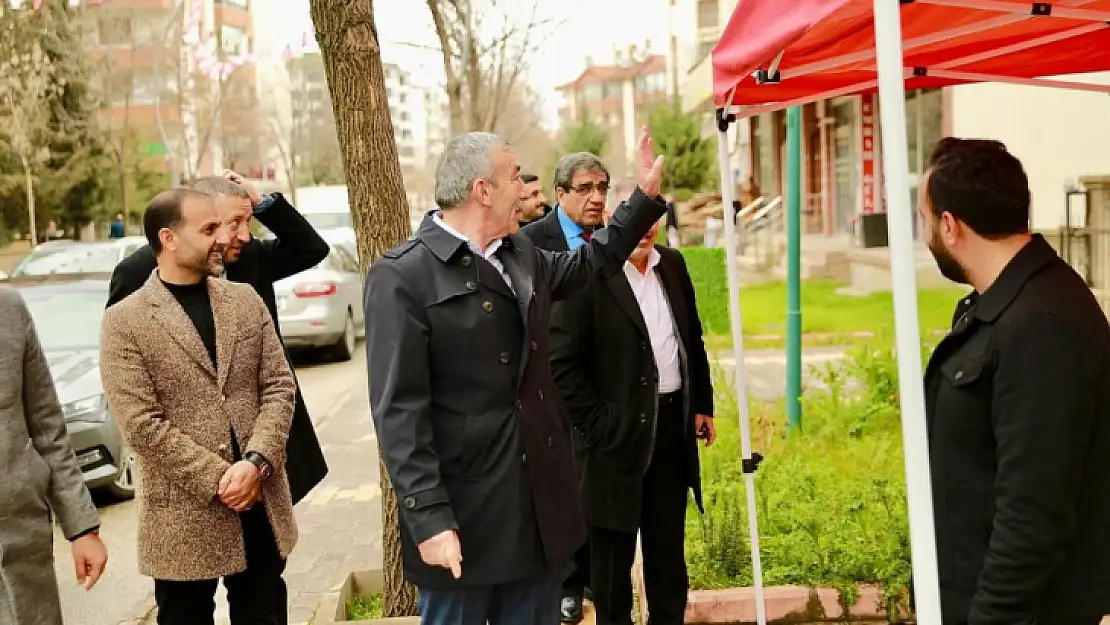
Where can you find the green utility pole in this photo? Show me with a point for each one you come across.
(793, 268)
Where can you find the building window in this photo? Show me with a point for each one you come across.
(591, 93)
(233, 40)
(612, 91)
(708, 14)
(115, 31)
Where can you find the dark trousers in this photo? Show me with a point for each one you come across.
(257, 596)
(662, 534)
(530, 601)
(579, 577)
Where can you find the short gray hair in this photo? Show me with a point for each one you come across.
(572, 164)
(465, 159)
(621, 190)
(216, 186)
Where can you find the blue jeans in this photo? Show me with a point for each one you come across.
(532, 601)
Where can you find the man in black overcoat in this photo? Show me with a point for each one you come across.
(466, 413)
(296, 247)
(628, 358)
(1017, 402)
(581, 188)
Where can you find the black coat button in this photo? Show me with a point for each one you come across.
(524, 458)
(643, 345)
(465, 261)
(643, 419)
(549, 441)
(504, 358)
(534, 346)
(643, 381)
(519, 405)
(410, 503)
(487, 306)
(470, 284)
(539, 394)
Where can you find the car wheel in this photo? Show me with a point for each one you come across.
(123, 487)
(344, 348)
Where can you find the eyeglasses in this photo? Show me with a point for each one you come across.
(589, 187)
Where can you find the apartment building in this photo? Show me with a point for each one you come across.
(841, 137)
(157, 103)
(618, 97)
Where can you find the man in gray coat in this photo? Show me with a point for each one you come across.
(40, 475)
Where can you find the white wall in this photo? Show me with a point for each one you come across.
(1057, 134)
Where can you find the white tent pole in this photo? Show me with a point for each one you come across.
(911, 392)
(732, 271)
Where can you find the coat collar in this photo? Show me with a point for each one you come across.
(176, 322)
(988, 305)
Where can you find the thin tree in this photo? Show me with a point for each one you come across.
(27, 83)
(483, 68)
(349, 44)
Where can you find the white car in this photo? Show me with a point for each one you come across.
(321, 308)
(62, 258)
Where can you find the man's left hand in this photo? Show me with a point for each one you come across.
(89, 559)
(240, 487)
(706, 422)
(238, 179)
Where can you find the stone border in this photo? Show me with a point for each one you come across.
(333, 608)
(784, 604)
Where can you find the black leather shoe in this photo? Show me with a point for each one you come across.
(570, 609)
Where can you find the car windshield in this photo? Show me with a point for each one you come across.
(323, 221)
(68, 259)
(66, 320)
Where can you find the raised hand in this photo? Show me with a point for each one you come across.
(649, 166)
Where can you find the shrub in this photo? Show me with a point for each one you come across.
(830, 499)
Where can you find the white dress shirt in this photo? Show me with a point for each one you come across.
(656, 310)
(488, 253)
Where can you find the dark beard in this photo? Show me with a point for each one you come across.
(949, 267)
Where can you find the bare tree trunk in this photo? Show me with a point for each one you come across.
(29, 188)
(352, 62)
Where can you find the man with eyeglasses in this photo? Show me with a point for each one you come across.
(581, 190)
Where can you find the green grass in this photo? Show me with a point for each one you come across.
(365, 607)
(827, 317)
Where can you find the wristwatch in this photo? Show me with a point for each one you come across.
(263, 466)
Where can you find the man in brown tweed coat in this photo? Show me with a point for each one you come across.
(197, 379)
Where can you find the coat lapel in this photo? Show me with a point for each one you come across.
(176, 322)
(223, 316)
(626, 299)
(521, 267)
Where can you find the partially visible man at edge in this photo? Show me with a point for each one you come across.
(533, 204)
(581, 191)
(1017, 406)
(296, 247)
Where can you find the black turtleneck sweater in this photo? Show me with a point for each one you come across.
(194, 299)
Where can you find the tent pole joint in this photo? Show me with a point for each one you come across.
(749, 465)
(920, 72)
(1041, 9)
(768, 77)
(724, 119)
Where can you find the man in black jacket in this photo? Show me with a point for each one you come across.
(1017, 405)
(628, 358)
(295, 247)
(466, 413)
(581, 188)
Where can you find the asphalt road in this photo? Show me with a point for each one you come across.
(122, 593)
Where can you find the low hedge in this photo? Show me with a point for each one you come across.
(830, 499)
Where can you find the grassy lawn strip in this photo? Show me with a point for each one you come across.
(827, 317)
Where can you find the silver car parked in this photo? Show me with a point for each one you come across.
(322, 308)
(64, 257)
(67, 319)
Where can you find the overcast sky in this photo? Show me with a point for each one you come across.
(587, 28)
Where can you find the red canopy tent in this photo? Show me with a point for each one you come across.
(776, 54)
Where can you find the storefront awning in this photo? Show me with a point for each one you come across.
(775, 54)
